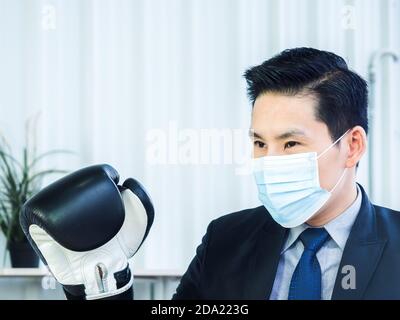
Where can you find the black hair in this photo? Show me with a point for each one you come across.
(342, 94)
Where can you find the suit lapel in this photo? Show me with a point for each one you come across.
(363, 250)
(262, 267)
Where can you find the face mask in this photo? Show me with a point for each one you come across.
(289, 188)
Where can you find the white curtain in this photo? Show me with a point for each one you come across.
(113, 78)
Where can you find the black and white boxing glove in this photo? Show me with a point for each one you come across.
(85, 227)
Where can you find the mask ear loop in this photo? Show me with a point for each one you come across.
(340, 179)
(326, 150)
(331, 146)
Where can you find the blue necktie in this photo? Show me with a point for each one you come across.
(306, 278)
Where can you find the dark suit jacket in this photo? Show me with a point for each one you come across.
(239, 255)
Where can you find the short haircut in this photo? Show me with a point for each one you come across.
(342, 94)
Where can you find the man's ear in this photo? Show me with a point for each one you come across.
(357, 145)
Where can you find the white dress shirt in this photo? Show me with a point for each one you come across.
(328, 256)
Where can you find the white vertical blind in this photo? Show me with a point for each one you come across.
(104, 74)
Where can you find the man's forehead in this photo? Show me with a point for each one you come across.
(281, 116)
(281, 105)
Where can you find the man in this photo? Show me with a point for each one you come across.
(317, 236)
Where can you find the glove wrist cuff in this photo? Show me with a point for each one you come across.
(124, 282)
(109, 294)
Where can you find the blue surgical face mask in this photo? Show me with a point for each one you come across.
(289, 188)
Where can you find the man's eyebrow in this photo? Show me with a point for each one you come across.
(290, 133)
(253, 134)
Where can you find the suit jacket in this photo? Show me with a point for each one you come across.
(239, 255)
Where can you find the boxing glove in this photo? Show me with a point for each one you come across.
(85, 227)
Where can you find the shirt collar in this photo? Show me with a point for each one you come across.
(338, 228)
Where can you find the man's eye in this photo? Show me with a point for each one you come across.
(290, 144)
(259, 144)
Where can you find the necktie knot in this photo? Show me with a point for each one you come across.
(306, 278)
(314, 238)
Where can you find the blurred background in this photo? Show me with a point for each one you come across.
(155, 88)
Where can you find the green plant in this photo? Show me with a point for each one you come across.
(19, 180)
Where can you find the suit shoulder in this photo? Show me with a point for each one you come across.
(242, 221)
(387, 215)
(388, 225)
